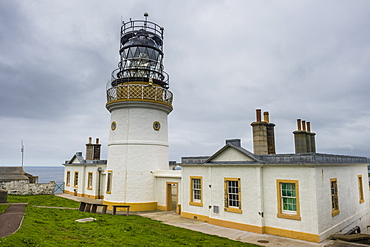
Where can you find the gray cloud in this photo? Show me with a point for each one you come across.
(296, 59)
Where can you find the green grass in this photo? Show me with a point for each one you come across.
(57, 227)
(3, 207)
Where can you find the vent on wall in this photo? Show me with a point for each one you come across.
(215, 209)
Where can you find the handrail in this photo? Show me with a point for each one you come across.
(139, 91)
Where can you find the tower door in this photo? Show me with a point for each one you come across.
(171, 196)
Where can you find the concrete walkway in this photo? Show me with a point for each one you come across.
(11, 219)
(171, 218)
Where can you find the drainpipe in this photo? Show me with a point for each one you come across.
(99, 170)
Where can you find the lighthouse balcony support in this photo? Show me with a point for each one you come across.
(142, 92)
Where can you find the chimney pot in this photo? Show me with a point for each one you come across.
(308, 127)
(97, 140)
(266, 117)
(258, 115)
(90, 140)
(304, 125)
(299, 124)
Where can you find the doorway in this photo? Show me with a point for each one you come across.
(171, 196)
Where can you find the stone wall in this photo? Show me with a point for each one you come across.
(23, 187)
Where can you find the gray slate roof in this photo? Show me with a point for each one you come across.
(8, 173)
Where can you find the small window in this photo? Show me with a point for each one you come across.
(334, 197)
(89, 180)
(196, 191)
(68, 179)
(360, 189)
(288, 199)
(75, 184)
(232, 195)
(109, 182)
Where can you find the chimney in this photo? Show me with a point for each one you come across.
(89, 150)
(304, 139)
(234, 142)
(263, 134)
(97, 150)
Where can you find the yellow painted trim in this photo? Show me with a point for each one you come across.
(143, 100)
(89, 185)
(360, 188)
(68, 178)
(232, 209)
(75, 185)
(162, 208)
(82, 195)
(256, 229)
(280, 213)
(134, 206)
(194, 216)
(292, 234)
(334, 212)
(236, 225)
(191, 202)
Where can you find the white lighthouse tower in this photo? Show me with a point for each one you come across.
(139, 102)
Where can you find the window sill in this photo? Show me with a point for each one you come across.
(289, 216)
(89, 188)
(199, 204)
(75, 186)
(234, 210)
(362, 200)
(108, 192)
(335, 212)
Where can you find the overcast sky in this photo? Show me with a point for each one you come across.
(295, 59)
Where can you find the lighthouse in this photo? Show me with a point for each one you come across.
(139, 101)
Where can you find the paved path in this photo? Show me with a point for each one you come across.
(11, 219)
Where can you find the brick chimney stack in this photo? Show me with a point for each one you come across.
(304, 139)
(93, 150)
(263, 134)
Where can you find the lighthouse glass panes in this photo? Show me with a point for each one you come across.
(141, 54)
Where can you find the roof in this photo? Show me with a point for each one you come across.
(8, 173)
(78, 159)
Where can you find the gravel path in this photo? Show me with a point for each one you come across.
(11, 219)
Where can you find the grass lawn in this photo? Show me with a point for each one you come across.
(57, 227)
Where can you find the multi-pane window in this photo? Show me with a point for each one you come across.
(232, 195)
(68, 179)
(196, 191)
(89, 180)
(334, 197)
(75, 184)
(288, 199)
(360, 189)
(109, 182)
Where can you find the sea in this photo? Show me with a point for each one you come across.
(47, 174)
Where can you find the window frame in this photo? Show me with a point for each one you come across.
(75, 180)
(193, 201)
(227, 207)
(281, 213)
(89, 180)
(68, 178)
(109, 182)
(334, 205)
(360, 188)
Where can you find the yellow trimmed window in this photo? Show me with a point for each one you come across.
(75, 183)
(334, 197)
(288, 199)
(109, 182)
(68, 179)
(360, 189)
(196, 191)
(232, 195)
(89, 180)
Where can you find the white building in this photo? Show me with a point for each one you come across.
(305, 195)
